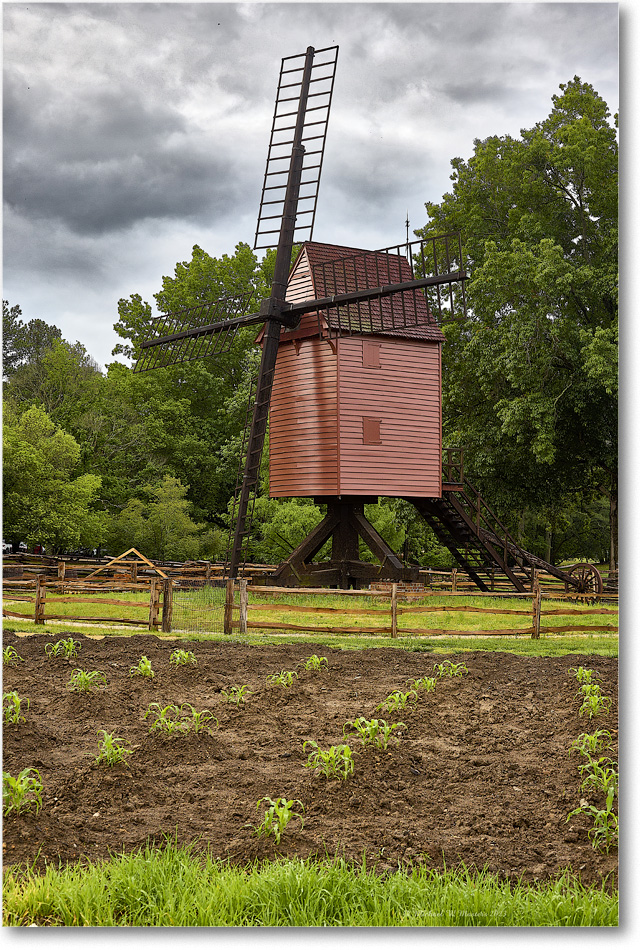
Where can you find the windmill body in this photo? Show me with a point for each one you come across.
(354, 413)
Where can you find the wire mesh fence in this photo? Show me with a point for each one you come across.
(199, 611)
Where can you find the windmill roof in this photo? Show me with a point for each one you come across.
(335, 269)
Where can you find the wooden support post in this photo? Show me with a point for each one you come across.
(41, 595)
(243, 598)
(134, 573)
(154, 597)
(453, 583)
(168, 590)
(393, 609)
(537, 609)
(229, 604)
(208, 573)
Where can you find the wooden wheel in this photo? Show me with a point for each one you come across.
(586, 578)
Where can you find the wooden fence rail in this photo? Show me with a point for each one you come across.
(160, 600)
(202, 573)
(394, 611)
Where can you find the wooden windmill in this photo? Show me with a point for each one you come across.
(350, 370)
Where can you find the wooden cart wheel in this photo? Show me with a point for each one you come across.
(586, 579)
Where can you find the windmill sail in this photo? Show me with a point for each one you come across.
(317, 99)
(192, 333)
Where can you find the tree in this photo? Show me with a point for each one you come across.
(161, 527)
(43, 501)
(530, 373)
(23, 343)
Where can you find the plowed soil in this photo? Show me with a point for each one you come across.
(481, 775)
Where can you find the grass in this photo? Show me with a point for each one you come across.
(175, 887)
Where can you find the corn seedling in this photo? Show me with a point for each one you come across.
(284, 678)
(183, 718)
(66, 648)
(10, 657)
(589, 689)
(583, 674)
(599, 775)
(589, 744)
(110, 749)
(595, 704)
(448, 668)
(398, 700)
(183, 658)
(167, 718)
(376, 732)
(22, 792)
(196, 720)
(337, 761)
(82, 681)
(603, 834)
(235, 694)
(314, 662)
(144, 668)
(277, 816)
(427, 683)
(11, 705)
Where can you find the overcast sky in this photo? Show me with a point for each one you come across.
(134, 131)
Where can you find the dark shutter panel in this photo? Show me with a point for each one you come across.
(371, 431)
(371, 355)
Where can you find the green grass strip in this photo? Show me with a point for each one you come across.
(175, 887)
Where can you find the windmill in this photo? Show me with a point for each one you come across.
(343, 297)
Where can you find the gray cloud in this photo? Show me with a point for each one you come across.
(133, 131)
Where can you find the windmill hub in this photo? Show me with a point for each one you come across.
(274, 309)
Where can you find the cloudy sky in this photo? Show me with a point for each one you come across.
(134, 131)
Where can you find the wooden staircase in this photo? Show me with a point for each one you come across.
(479, 542)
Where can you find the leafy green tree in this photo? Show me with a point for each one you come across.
(23, 343)
(530, 372)
(162, 527)
(42, 500)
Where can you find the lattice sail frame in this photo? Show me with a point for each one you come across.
(374, 275)
(189, 334)
(315, 126)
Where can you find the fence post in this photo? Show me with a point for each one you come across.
(537, 608)
(229, 604)
(41, 595)
(393, 609)
(243, 605)
(168, 589)
(61, 575)
(453, 584)
(153, 605)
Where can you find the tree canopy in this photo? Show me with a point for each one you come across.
(530, 370)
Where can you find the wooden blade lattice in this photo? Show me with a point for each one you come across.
(436, 261)
(192, 333)
(317, 112)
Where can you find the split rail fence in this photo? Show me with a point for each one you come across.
(395, 610)
(196, 574)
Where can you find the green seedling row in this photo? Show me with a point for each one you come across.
(22, 792)
(11, 706)
(278, 815)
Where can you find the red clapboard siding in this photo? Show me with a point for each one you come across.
(405, 394)
(303, 421)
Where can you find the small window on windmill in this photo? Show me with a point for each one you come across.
(371, 431)
(371, 355)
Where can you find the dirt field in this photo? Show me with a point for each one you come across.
(482, 773)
